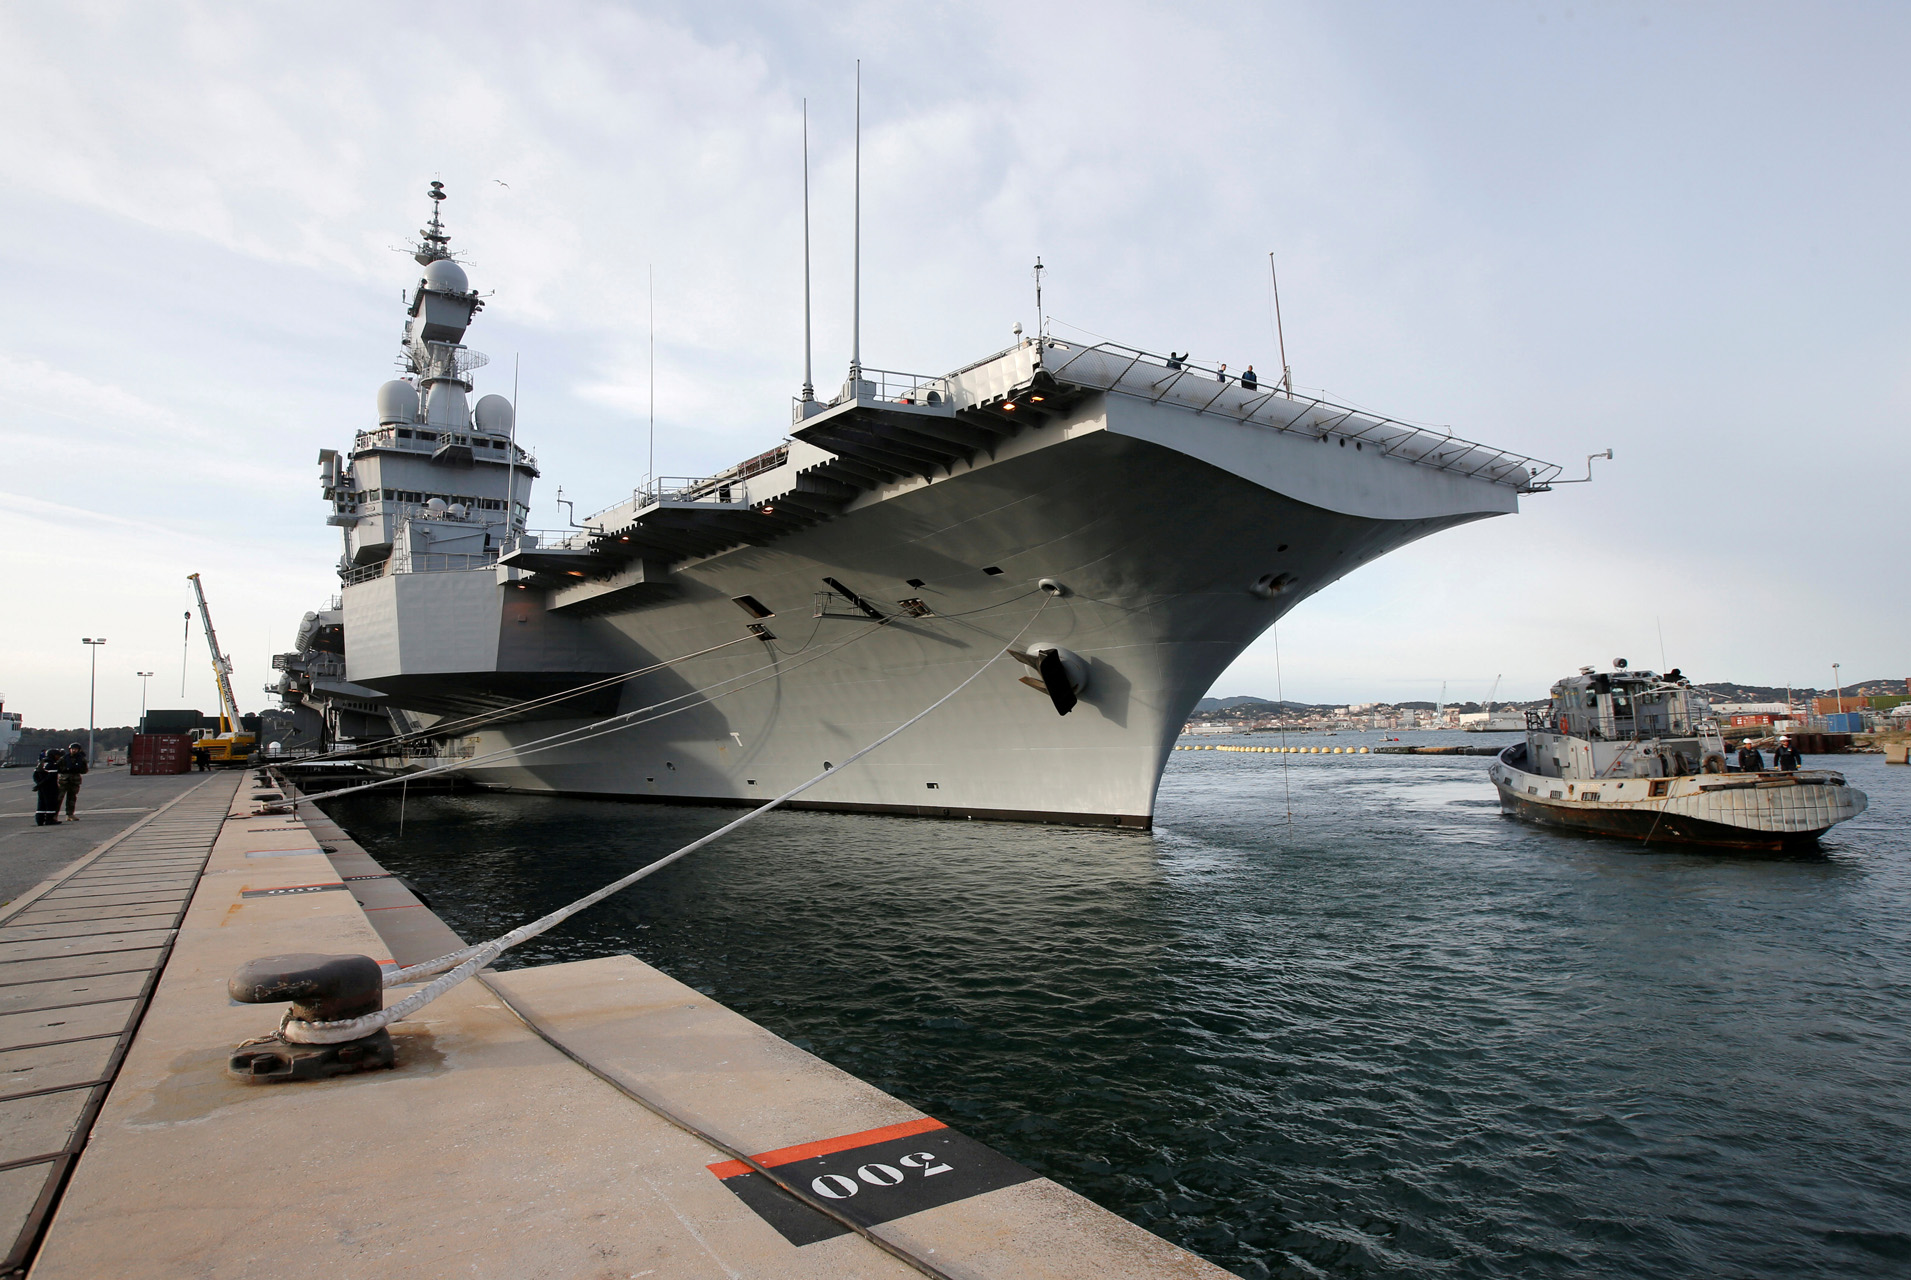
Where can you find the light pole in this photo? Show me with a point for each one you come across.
(92, 690)
(1838, 690)
(144, 676)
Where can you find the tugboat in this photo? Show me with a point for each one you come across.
(1639, 755)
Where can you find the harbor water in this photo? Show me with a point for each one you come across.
(1392, 1034)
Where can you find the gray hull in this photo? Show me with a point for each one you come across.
(1159, 523)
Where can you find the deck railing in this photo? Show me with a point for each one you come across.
(428, 562)
(1130, 371)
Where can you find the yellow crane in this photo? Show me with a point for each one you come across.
(231, 745)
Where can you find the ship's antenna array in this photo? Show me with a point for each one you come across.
(434, 235)
(1280, 334)
(809, 386)
(650, 464)
(511, 461)
(856, 270)
(1041, 328)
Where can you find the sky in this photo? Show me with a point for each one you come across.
(1674, 230)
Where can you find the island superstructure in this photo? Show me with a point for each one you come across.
(1123, 524)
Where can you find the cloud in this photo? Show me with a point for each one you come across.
(1667, 239)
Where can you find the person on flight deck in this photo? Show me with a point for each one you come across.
(1749, 760)
(1174, 361)
(1785, 756)
(1250, 380)
(46, 789)
(73, 767)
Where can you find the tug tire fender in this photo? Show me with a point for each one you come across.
(1713, 763)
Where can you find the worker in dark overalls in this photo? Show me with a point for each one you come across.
(46, 789)
(1749, 760)
(73, 770)
(1785, 756)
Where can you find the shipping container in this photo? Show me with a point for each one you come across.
(1845, 722)
(1742, 722)
(1837, 706)
(155, 753)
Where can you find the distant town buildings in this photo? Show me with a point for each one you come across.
(1878, 705)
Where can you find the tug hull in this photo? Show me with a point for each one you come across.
(1770, 812)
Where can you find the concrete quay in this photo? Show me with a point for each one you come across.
(593, 1119)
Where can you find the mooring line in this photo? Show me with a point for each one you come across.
(800, 1194)
(566, 737)
(462, 964)
(618, 723)
(479, 719)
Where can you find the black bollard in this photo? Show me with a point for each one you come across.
(320, 989)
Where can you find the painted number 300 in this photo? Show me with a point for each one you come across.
(837, 1186)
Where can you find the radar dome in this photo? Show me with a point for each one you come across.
(493, 414)
(397, 402)
(456, 511)
(435, 505)
(446, 276)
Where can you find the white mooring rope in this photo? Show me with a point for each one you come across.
(471, 959)
(479, 719)
(585, 732)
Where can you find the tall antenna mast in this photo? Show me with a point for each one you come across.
(511, 459)
(856, 296)
(1040, 329)
(652, 463)
(809, 387)
(433, 244)
(1280, 335)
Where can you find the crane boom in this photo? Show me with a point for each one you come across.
(221, 668)
(1491, 697)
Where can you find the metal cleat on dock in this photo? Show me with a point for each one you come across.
(320, 989)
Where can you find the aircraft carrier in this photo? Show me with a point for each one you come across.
(1122, 524)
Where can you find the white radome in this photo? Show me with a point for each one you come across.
(397, 402)
(493, 415)
(446, 276)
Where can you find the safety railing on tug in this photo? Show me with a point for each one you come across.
(1599, 726)
(1110, 366)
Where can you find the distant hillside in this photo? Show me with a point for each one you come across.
(34, 741)
(1253, 706)
(1731, 691)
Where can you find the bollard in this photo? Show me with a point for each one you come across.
(320, 989)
